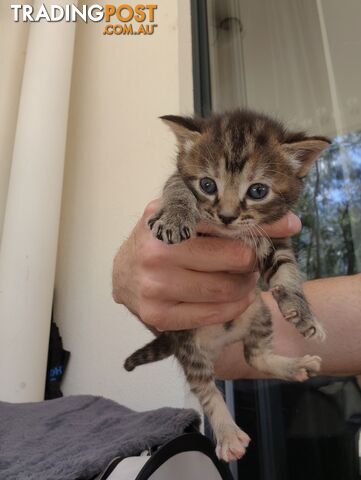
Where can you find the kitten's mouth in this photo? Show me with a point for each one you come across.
(214, 220)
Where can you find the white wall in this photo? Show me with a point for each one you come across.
(118, 155)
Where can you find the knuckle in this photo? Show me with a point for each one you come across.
(162, 325)
(155, 315)
(160, 320)
(144, 314)
(149, 316)
(153, 254)
(225, 291)
(149, 289)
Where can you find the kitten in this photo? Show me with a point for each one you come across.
(237, 171)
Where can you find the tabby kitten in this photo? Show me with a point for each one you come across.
(237, 171)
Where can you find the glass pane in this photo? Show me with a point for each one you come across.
(299, 60)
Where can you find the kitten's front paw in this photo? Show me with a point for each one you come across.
(232, 444)
(171, 228)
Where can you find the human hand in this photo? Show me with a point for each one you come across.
(201, 281)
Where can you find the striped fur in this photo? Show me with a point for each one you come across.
(237, 150)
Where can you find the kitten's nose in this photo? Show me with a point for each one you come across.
(226, 219)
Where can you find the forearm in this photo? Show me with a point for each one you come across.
(337, 304)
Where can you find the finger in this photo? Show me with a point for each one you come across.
(205, 254)
(199, 287)
(193, 315)
(287, 226)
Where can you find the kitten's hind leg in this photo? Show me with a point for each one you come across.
(258, 350)
(198, 367)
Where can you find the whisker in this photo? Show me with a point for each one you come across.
(210, 153)
(265, 234)
(254, 243)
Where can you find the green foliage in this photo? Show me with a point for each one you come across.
(330, 210)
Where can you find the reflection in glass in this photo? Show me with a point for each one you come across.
(330, 210)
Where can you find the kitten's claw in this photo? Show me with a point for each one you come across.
(291, 315)
(316, 332)
(309, 327)
(171, 228)
(151, 222)
(310, 332)
(232, 444)
(185, 233)
(169, 235)
(159, 233)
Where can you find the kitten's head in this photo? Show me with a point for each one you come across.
(244, 168)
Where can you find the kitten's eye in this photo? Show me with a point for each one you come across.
(257, 191)
(208, 185)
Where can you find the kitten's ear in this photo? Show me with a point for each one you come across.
(186, 129)
(305, 152)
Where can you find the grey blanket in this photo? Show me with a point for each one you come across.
(75, 437)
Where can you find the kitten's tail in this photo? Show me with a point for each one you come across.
(159, 348)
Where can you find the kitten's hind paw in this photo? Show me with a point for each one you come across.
(311, 330)
(171, 228)
(296, 310)
(232, 444)
(306, 367)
